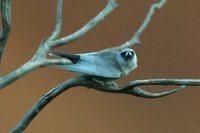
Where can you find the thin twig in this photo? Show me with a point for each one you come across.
(58, 25)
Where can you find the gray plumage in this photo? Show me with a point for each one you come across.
(105, 64)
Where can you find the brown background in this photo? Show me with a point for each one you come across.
(171, 45)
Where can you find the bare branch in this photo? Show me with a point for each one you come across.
(187, 82)
(39, 59)
(23, 70)
(6, 24)
(135, 40)
(58, 26)
(130, 88)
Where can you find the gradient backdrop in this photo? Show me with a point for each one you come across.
(170, 49)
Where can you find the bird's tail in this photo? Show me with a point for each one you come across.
(72, 57)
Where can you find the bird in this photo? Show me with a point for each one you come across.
(101, 66)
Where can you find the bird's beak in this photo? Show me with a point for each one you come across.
(129, 53)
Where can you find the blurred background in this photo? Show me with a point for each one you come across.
(170, 49)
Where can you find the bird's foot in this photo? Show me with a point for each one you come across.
(107, 83)
(111, 83)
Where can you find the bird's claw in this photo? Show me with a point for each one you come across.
(107, 83)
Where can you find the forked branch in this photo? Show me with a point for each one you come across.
(39, 59)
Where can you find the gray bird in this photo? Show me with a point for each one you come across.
(104, 65)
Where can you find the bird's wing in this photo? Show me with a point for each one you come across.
(97, 64)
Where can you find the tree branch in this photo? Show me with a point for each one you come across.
(131, 88)
(58, 25)
(6, 24)
(27, 68)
